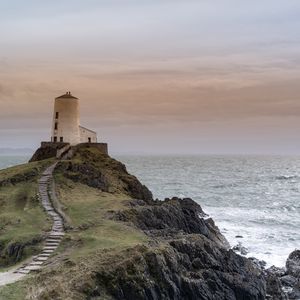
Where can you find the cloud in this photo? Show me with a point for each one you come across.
(215, 68)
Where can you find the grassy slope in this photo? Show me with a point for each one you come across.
(21, 216)
(88, 209)
(92, 236)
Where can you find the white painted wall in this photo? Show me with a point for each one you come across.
(67, 120)
(86, 134)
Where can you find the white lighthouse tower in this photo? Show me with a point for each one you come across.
(65, 127)
(66, 133)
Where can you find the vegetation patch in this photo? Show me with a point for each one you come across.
(15, 291)
(22, 219)
(88, 208)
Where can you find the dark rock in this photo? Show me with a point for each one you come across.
(288, 280)
(279, 272)
(14, 252)
(194, 268)
(47, 152)
(284, 284)
(293, 264)
(259, 263)
(274, 287)
(172, 216)
(240, 248)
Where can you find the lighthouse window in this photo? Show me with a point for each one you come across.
(55, 126)
(56, 115)
(61, 139)
(55, 139)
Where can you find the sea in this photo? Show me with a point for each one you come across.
(254, 200)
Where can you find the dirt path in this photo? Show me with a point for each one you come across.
(53, 240)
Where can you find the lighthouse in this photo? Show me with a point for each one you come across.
(66, 122)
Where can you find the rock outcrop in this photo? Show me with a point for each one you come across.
(191, 267)
(190, 258)
(171, 217)
(46, 152)
(93, 168)
(290, 280)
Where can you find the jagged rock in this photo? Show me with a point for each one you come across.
(293, 264)
(171, 216)
(240, 248)
(46, 152)
(292, 280)
(285, 284)
(288, 280)
(274, 287)
(16, 251)
(193, 268)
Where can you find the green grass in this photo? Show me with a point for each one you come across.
(108, 235)
(20, 171)
(15, 291)
(22, 219)
(21, 213)
(85, 205)
(88, 209)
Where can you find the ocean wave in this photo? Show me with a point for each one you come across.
(224, 186)
(286, 177)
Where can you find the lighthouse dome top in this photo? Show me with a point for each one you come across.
(67, 95)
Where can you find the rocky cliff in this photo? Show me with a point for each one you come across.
(122, 244)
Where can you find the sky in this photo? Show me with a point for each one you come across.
(159, 76)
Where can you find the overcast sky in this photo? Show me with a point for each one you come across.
(157, 76)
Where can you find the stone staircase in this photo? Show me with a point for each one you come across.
(57, 232)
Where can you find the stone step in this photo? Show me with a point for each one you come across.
(39, 258)
(50, 251)
(52, 244)
(53, 240)
(32, 268)
(22, 271)
(56, 234)
(36, 263)
(44, 255)
(50, 248)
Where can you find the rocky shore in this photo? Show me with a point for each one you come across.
(289, 278)
(122, 244)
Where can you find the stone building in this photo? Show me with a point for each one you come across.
(66, 122)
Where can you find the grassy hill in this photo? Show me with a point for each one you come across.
(87, 208)
(22, 220)
(119, 242)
